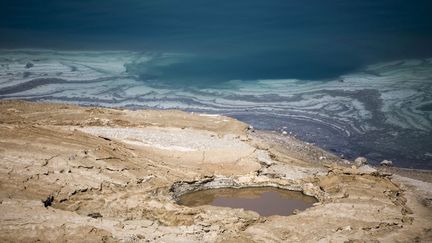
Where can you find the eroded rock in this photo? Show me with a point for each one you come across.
(360, 161)
(123, 186)
(386, 163)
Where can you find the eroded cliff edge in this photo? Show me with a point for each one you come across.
(94, 174)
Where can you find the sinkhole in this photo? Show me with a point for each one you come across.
(266, 201)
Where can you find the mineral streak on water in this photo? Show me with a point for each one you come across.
(353, 77)
(381, 112)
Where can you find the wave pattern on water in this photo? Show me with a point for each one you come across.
(382, 111)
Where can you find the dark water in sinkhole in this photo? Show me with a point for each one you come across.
(266, 201)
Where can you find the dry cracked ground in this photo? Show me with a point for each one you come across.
(83, 174)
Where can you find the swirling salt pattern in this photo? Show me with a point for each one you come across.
(383, 111)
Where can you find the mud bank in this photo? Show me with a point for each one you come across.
(78, 173)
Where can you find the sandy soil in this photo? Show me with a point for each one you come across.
(70, 173)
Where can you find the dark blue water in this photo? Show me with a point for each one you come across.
(244, 39)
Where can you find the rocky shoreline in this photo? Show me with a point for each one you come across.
(71, 173)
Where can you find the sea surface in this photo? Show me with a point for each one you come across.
(382, 111)
(353, 77)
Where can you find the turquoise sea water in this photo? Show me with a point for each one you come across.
(352, 76)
